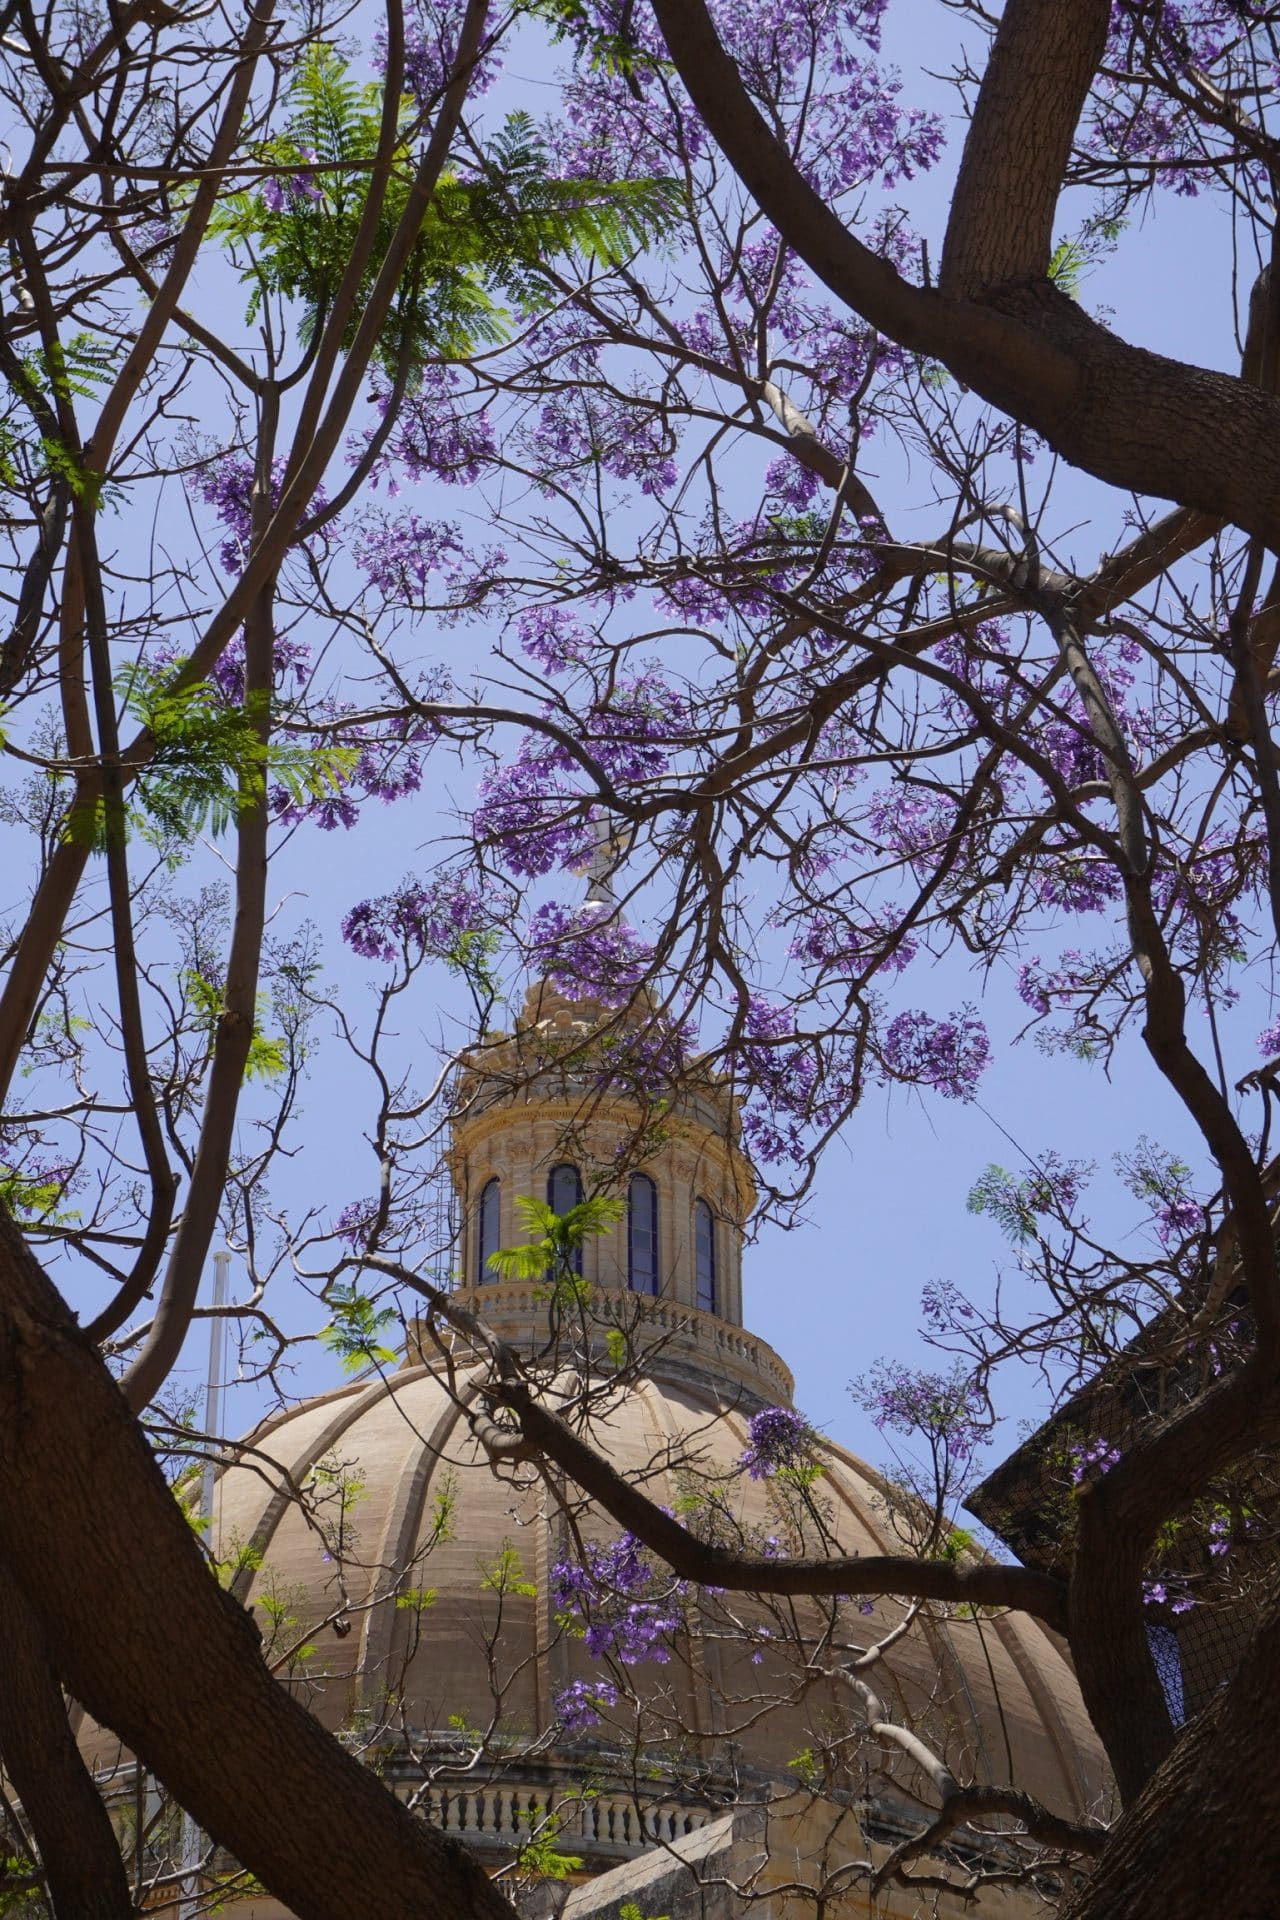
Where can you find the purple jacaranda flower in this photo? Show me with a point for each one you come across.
(589, 952)
(779, 1438)
(418, 919)
(581, 1704)
(949, 1055)
(619, 1602)
(1092, 1460)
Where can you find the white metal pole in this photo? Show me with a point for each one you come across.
(192, 1839)
(213, 1391)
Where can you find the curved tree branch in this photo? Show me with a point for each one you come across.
(1130, 417)
(83, 1870)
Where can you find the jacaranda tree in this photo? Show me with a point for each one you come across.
(647, 467)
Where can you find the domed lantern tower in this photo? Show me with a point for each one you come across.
(544, 1114)
(429, 1585)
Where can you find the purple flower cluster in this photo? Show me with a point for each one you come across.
(532, 812)
(400, 554)
(529, 816)
(779, 1438)
(292, 658)
(581, 1704)
(616, 1598)
(910, 823)
(1079, 882)
(355, 1221)
(552, 637)
(1068, 743)
(1136, 120)
(779, 1077)
(588, 952)
(944, 1407)
(297, 188)
(435, 437)
(417, 920)
(573, 431)
(945, 1307)
(645, 1065)
(224, 482)
(634, 733)
(1092, 1461)
(948, 1055)
(1162, 1180)
(1177, 1217)
(827, 941)
(1041, 987)
(1159, 1593)
(430, 47)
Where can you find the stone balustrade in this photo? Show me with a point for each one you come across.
(667, 1336)
(488, 1814)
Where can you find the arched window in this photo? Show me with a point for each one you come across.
(642, 1234)
(489, 1231)
(704, 1256)
(564, 1191)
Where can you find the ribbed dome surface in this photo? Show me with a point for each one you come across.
(382, 1465)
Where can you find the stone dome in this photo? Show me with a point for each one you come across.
(383, 1461)
(407, 1590)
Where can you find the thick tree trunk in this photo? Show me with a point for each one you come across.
(84, 1873)
(1203, 1839)
(1042, 61)
(1129, 417)
(142, 1634)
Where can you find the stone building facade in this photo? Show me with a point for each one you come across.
(424, 1582)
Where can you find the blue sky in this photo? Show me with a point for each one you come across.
(888, 1212)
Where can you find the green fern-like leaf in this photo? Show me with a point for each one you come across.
(479, 236)
(556, 1237)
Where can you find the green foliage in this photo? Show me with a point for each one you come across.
(505, 1574)
(9, 480)
(244, 1557)
(805, 1767)
(471, 957)
(278, 1609)
(416, 1599)
(22, 1903)
(33, 1197)
(209, 761)
(442, 1512)
(539, 1854)
(354, 1333)
(615, 1345)
(801, 1474)
(559, 1237)
(603, 51)
(958, 1543)
(493, 230)
(70, 369)
(630, 1911)
(1013, 1203)
(1066, 268)
(268, 1054)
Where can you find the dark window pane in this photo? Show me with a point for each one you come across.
(564, 1192)
(704, 1256)
(488, 1234)
(642, 1235)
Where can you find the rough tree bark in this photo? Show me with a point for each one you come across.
(1203, 1839)
(142, 1634)
(1132, 418)
(84, 1873)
